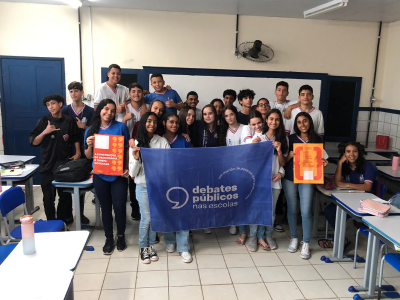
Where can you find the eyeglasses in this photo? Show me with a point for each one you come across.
(263, 105)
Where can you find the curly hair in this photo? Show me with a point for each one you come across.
(360, 162)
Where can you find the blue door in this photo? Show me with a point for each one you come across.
(25, 82)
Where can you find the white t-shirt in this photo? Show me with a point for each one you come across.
(282, 107)
(119, 95)
(316, 116)
(234, 137)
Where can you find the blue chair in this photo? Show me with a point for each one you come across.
(5, 250)
(11, 199)
(379, 192)
(392, 259)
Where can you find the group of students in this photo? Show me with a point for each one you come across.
(150, 120)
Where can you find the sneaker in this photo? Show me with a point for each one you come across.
(84, 220)
(278, 228)
(186, 257)
(109, 246)
(271, 242)
(152, 254)
(207, 230)
(232, 230)
(121, 243)
(157, 239)
(135, 216)
(294, 244)
(305, 251)
(252, 244)
(144, 255)
(170, 248)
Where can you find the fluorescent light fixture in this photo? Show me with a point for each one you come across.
(321, 9)
(74, 3)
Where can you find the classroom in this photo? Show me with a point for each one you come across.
(304, 205)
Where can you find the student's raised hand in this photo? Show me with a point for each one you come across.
(50, 128)
(168, 87)
(291, 155)
(128, 116)
(121, 108)
(146, 92)
(277, 177)
(256, 140)
(277, 146)
(131, 143)
(126, 173)
(288, 113)
(170, 103)
(325, 162)
(80, 124)
(136, 152)
(90, 141)
(186, 137)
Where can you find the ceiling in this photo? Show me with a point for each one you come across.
(356, 10)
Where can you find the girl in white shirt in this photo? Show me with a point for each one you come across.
(145, 138)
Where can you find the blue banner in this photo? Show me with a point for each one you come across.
(197, 188)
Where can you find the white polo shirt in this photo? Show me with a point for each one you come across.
(234, 137)
(282, 107)
(316, 116)
(119, 95)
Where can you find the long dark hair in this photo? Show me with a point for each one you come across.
(95, 123)
(280, 134)
(214, 127)
(360, 162)
(255, 114)
(225, 125)
(183, 127)
(313, 137)
(166, 117)
(160, 125)
(142, 136)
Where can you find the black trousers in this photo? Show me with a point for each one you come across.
(64, 207)
(132, 197)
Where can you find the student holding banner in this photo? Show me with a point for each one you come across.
(145, 138)
(111, 190)
(304, 133)
(176, 240)
(231, 133)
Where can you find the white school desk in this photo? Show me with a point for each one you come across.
(348, 203)
(387, 230)
(376, 150)
(25, 178)
(371, 157)
(387, 171)
(78, 188)
(10, 158)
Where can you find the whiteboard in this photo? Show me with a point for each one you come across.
(210, 87)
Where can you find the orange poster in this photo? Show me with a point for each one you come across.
(108, 154)
(307, 163)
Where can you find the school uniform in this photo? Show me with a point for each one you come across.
(180, 238)
(242, 118)
(234, 136)
(171, 94)
(147, 236)
(282, 107)
(205, 138)
(56, 150)
(316, 116)
(119, 95)
(112, 190)
(369, 175)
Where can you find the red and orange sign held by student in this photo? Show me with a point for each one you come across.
(108, 154)
(308, 166)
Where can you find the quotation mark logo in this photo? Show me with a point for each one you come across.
(177, 202)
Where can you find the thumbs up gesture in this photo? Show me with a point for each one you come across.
(50, 128)
(170, 103)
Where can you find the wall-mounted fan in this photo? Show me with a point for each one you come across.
(255, 51)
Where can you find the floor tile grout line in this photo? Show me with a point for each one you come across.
(325, 281)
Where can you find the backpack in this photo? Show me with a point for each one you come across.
(73, 171)
(395, 200)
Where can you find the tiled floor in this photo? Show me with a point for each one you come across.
(221, 269)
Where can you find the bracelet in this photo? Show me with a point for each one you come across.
(279, 153)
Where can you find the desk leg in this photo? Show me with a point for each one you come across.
(342, 234)
(316, 215)
(374, 265)
(337, 232)
(77, 209)
(11, 224)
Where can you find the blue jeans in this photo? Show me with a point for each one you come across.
(306, 192)
(253, 230)
(268, 230)
(180, 238)
(147, 236)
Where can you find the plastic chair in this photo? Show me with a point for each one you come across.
(5, 250)
(379, 192)
(11, 199)
(392, 259)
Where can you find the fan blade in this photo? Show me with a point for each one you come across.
(263, 55)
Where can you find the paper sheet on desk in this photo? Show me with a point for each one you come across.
(380, 200)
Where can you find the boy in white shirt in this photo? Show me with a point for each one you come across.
(114, 91)
(306, 97)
